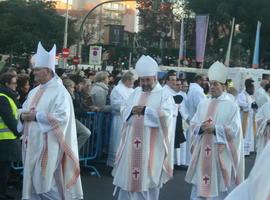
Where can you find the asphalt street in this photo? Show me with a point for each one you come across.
(102, 189)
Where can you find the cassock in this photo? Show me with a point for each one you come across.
(144, 161)
(257, 185)
(195, 95)
(50, 149)
(245, 100)
(217, 162)
(263, 129)
(118, 96)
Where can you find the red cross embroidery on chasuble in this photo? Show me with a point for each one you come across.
(206, 180)
(136, 173)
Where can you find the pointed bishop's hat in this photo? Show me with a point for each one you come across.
(146, 66)
(218, 72)
(44, 58)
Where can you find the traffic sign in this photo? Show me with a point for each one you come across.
(95, 55)
(65, 52)
(76, 60)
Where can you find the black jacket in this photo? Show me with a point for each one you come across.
(10, 150)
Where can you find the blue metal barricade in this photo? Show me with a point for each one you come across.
(17, 165)
(96, 148)
(89, 151)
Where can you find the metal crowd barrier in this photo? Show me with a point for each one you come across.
(96, 148)
(18, 166)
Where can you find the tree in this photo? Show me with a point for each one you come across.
(246, 13)
(156, 21)
(24, 23)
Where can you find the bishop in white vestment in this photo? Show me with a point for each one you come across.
(50, 149)
(144, 161)
(263, 128)
(217, 162)
(257, 185)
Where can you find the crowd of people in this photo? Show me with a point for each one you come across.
(202, 124)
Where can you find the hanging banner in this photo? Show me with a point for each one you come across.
(201, 35)
(181, 46)
(255, 62)
(228, 54)
(95, 55)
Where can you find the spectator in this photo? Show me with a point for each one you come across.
(83, 133)
(10, 149)
(100, 91)
(23, 87)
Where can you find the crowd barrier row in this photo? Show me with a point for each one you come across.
(95, 150)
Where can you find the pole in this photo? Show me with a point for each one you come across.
(87, 15)
(66, 33)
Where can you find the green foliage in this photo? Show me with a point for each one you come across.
(156, 19)
(24, 23)
(246, 13)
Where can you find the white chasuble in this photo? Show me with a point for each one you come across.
(263, 128)
(144, 160)
(217, 159)
(50, 149)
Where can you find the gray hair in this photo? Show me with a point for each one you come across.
(128, 76)
(101, 76)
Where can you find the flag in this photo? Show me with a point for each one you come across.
(255, 62)
(201, 35)
(228, 54)
(181, 46)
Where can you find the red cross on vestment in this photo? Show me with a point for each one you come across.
(206, 180)
(136, 173)
(209, 120)
(137, 143)
(208, 150)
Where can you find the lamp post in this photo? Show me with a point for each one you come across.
(86, 16)
(66, 33)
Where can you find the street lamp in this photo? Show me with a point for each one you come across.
(87, 15)
(66, 33)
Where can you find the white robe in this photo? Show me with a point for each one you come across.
(181, 153)
(172, 93)
(261, 97)
(50, 149)
(244, 100)
(263, 129)
(195, 95)
(257, 185)
(217, 162)
(143, 160)
(118, 96)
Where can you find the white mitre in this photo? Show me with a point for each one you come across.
(218, 72)
(146, 66)
(44, 58)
